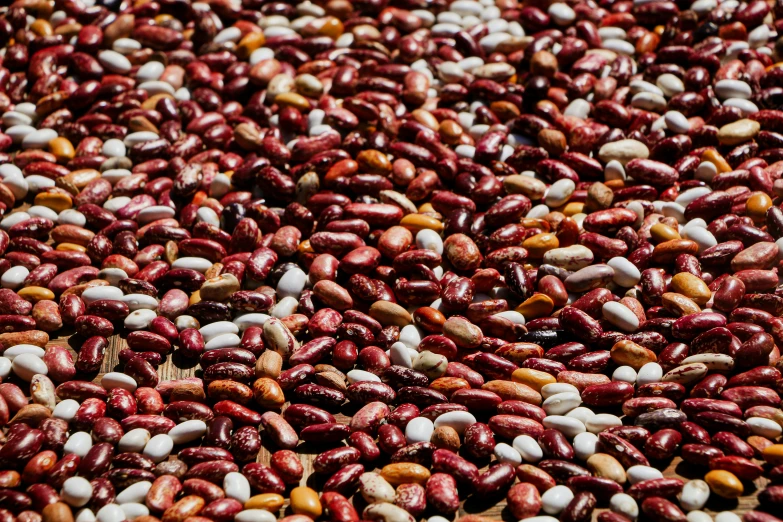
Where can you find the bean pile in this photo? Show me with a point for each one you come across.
(530, 250)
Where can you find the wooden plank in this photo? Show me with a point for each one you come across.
(493, 507)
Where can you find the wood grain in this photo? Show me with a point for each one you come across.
(490, 507)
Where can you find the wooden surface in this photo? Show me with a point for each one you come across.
(491, 507)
